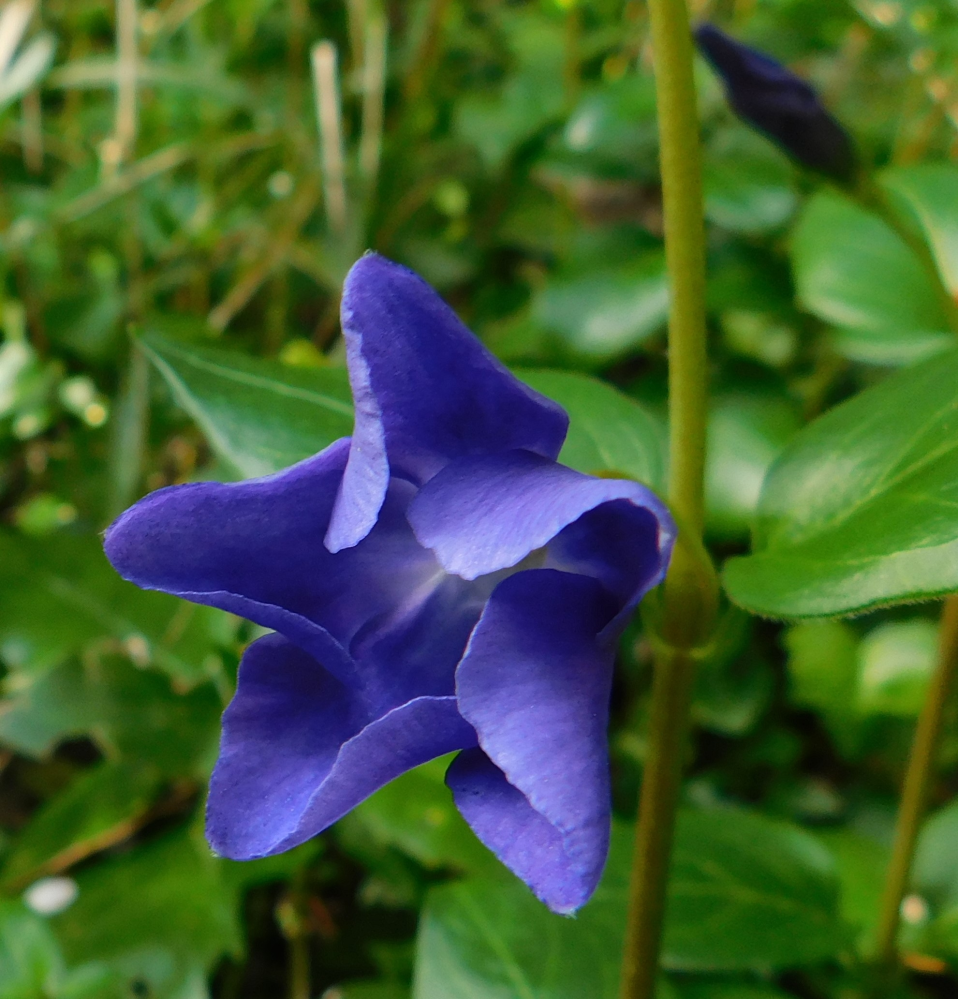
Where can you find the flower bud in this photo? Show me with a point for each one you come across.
(782, 106)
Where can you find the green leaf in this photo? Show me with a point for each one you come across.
(30, 960)
(603, 314)
(61, 594)
(261, 417)
(732, 687)
(611, 133)
(98, 809)
(823, 670)
(930, 192)
(608, 431)
(258, 416)
(930, 922)
(130, 711)
(416, 814)
(747, 431)
(161, 914)
(746, 893)
(853, 271)
(861, 509)
(934, 873)
(494, 940)
(896, 662)
(368, 990)
(748, 184)
(860, 861)
(711, 988)
(749, 892)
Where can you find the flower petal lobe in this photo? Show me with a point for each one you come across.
(426, 391)
(535, 684)
(299, 751)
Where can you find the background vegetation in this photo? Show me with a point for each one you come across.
(174, 230)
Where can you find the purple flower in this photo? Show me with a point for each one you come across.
(437, 582)
(779, 104)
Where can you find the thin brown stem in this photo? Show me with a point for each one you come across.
(919, 779)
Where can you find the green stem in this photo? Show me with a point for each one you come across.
(661, 784)
(681, 164)
(918, 783)
(690, 593)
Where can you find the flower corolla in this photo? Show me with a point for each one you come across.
(436, 583)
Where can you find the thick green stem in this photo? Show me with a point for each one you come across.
(689, 596)
(918, 783)
(661, 783)
(681, 163)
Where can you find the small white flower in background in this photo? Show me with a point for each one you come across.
(915, 910)
(48, 896)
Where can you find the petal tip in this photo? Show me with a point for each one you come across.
(373, 268)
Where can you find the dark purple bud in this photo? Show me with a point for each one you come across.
(782, 106)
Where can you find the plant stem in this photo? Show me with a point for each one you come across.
(918, 782)
(661, 784)
(690, 591)
(681, 164)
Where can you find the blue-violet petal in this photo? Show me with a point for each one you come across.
(426, 391)
(535, 684)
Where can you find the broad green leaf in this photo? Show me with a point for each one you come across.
(130, 711)
(733, 685)
(853, 271)
(98, 809)
(749, 892)
(603, 314)
(61, 594)
(934, 873)
(160, 914)
(416, 814)
(368, 990)
(930, 191)
(747, 431)
(32, 966)
(748, 184)
(823, 675)
(492, 940)
(611, 133)
(930, 915)
(608, 431)
(861, 509)
(860, 861)
(711, 988)
(259, 416)
(746, 893)
(30, 961)
(896, 661)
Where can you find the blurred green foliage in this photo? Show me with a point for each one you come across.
(171, 254)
